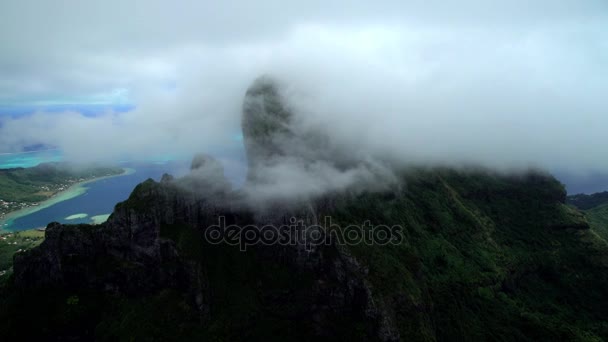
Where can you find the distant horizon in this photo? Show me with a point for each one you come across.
(575, 184)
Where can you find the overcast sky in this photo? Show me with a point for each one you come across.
(505, 84)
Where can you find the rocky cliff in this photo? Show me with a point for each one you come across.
(478, 255)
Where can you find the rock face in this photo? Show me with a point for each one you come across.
(124, 255)
(266, 125)
(107, 259)
(205, 162)
(129, 254)
(206, 176)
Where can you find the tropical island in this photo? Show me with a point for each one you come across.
(480, 256)
(27, 187)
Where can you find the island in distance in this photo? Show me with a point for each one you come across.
(27, 187)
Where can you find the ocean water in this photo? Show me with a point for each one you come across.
(29, 159)
(97, 198)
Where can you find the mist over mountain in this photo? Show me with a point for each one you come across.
(507, 86)
(361, 171)
(467, 253)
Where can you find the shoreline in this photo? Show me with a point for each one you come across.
(75, 190)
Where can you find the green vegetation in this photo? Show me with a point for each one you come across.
(598, 219)
(595, 207)
(38, 183)
(142, 197)
(21, 188)
(484, 257)
(585, 202)
(238, 308)
(12, 243)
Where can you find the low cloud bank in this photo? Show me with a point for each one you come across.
(480, 88)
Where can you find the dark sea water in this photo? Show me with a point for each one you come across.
(100, 197)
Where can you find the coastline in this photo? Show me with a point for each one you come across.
(75, 190)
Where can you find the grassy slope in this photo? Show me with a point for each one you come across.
(486, 258)
(598, 219)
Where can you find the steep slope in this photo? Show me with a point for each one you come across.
(598, 219)
(486, 257)
(595, 207)
(466, 254)
(483, 257)
(11, 243)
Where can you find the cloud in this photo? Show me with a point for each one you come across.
(289, 178)
(505, 85)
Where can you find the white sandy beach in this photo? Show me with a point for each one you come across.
(99, 219)
(76, 216)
